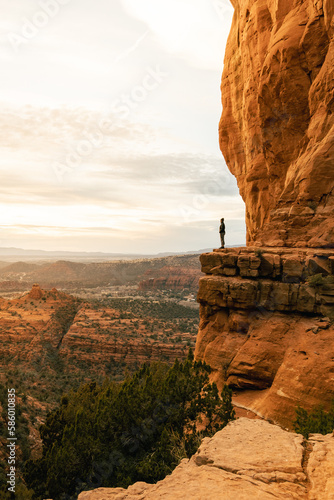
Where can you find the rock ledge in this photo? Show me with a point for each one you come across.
(248, 459)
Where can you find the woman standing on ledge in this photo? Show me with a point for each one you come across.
(222, 233)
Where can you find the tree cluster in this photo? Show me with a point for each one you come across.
(317, 421)
(116, 434)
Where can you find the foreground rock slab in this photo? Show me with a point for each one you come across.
(320, 467)
(249, 459)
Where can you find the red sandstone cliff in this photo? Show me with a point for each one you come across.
(277, 126)
(267, 324)
(267, 315)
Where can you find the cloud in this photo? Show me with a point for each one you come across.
(189, 174)
(164, 237)
(121, 185)
(190, 29)
(41, 128)
(132, 48)
(90, 153)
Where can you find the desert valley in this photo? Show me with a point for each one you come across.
(196, 376)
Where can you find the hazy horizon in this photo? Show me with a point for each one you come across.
(110, 119)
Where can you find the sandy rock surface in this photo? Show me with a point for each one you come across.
(320, 467)
(249, 459)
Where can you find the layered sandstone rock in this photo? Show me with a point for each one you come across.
(320, 467)
(267, 310)
(267, 324)
(248, 459)
(277, 126)
(28, 324)
(97, 337)
(43, 324)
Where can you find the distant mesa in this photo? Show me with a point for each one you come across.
(67, 274)
(171, 278)
(12, 254)
(18, 267)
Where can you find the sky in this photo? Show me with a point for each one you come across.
(109, 118)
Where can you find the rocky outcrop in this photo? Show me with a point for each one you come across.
(277, 126)
(28, 325)
(35, 293)
(248, 459)
(267, 324)
(297, 281)
(267, 310)
(320, 467)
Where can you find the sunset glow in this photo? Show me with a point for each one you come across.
(109, 125)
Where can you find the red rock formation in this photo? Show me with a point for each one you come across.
(267, 324)
(43, 322)
(35, 293)
(27, 324)
(277, 126)
(100, 336)
(267, 314)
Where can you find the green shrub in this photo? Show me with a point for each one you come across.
(317, 421)
(312, 205)
(318, 280)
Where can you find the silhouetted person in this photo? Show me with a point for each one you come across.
(222, 233)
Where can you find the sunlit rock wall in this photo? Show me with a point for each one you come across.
(277, 125)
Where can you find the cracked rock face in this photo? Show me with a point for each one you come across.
(320, 467)
(277, 125)
(248, 459)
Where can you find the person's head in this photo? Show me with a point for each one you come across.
(221, 220)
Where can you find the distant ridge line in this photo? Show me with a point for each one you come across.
(20, 252)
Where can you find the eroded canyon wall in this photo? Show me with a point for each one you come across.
(277, 125)
(267, 310)
(267, 327)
